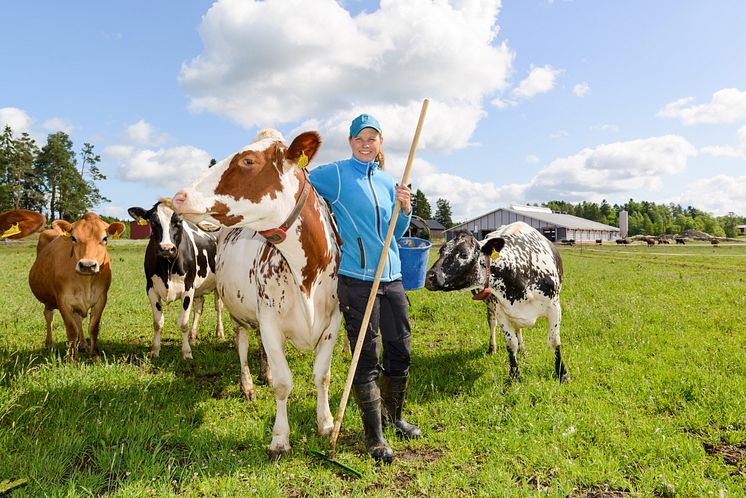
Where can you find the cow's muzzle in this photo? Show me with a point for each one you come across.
(87, 267)
(431, 281)
(167, 251)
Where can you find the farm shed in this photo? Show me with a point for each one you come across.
(741, 229)
(138, 231)
(417, 226)
(554, 226)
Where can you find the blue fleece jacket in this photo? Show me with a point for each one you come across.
(362, 198)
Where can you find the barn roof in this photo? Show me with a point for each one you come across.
(558, 219)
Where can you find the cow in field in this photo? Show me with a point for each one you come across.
(649, 241)
(622, 241)
(277, 261)
(663, 241)
(19, 223)
(179, 265)
(72, 274)
(518, 274)
(680, 240)
(714, 242)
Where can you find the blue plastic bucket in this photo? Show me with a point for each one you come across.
(413, 253)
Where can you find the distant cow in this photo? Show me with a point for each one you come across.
(72, 273)
(179, 264)
(663, 241)
(20, 223)
(622, 241)
(714, 242)
(277, 261)
(649, 241)
(599, 242)
(519, 275)
(680, 240)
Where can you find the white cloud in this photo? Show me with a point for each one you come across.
(18, 120)
(718, 195)
(273, 62)
(612, 168)
(581, 89)
(143, 133)
(726, 106)
(738, 152)
(532, 159)
(539, 80)
(54, 125)
(170, 168)
(605, 127)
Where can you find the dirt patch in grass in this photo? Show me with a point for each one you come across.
(604, 492)
(734, 456)
(419, 454)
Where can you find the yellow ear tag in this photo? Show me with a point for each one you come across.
(116, 235)
(494, 255)
(66, 233)
(14, 229)
(303, 160)
(142, 221)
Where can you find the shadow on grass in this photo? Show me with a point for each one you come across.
(440, 374)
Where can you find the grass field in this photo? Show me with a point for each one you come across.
(654, 339)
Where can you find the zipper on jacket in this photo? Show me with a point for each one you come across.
(375, 201)
(362, 252)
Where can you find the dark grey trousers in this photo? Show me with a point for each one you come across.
(390, 314)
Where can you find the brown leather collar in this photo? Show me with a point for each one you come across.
(279, 234)
(487, 291)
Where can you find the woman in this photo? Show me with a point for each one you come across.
(363, 197)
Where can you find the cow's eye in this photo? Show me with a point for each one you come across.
(105, 239)
(72, 237)
(248, 161)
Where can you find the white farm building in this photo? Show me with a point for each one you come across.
(555, 226)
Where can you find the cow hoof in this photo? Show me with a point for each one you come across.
(565, 378)
(220, 335)
(249, 394)
(154, 353)
(491, 350)
(187, 356)
(277, 453)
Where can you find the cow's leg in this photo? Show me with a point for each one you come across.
(155, 304)
(199, 303)
(492, 321)
(265, 372)
(519, 336)
(49, 317)
(242, 344)
(511, 343)
(219, 332)
(73, 326)
(282, 383)
(321, 367)
(186, 309)
(554, 317)
(94, 324)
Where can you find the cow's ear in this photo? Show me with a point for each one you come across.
(115, 229)
(493, 246)
(137, 213)
(63, 227)
(303, 148)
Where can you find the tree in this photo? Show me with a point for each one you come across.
(19, 187)
(91, 159)
(420, 206)
(443, 213)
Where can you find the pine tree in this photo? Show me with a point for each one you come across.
(420, 206)
(443, 213)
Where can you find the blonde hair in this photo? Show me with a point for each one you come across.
(379, 160)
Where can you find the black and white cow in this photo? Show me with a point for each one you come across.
(523, 283)
(179, 264)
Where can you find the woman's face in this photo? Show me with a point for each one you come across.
(366, 145)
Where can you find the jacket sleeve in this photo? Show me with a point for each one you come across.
(325, 179)
(402, 223)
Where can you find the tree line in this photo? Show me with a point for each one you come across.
(648, 218)
(52, 180)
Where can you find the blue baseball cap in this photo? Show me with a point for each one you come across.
(364, 121)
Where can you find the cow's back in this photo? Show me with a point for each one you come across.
(528, 262)
(53, 275)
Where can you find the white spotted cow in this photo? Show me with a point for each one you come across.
(179, 264)
(521, 283)
(277, 261)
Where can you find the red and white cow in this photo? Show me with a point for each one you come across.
(277, 267)
(519, 275)
(72, 273)
(20, 223)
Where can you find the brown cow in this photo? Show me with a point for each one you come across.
(19, 223)
(72, 273)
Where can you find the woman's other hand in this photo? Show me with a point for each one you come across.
(404, 198)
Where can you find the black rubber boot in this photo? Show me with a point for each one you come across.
(368, 398)
(393, 393)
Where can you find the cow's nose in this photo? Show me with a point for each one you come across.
(168, 250)
(179, 200)
(87, 266)
(430, 280)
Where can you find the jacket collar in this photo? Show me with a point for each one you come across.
(362, 166)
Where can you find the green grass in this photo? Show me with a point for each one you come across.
(654, 339)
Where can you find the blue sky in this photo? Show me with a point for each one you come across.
(531, 100)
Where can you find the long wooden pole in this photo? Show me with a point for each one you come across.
(374, 288)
